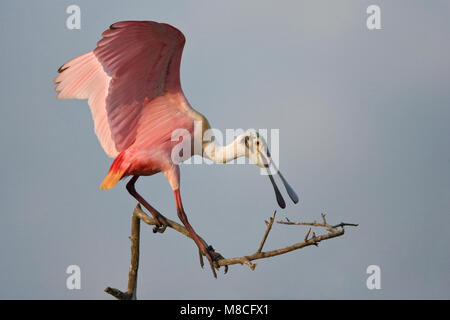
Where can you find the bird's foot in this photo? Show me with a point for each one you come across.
(161, 225)
(213, 258)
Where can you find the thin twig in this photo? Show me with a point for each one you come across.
(307, 234)
(342, 224)
(269, 226)
(316, 224)
(313, 224)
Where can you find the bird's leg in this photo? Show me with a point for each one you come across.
(212, 256)
(161, 222)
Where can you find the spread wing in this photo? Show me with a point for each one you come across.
(134, 63)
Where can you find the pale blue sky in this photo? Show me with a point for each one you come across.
(363, 118)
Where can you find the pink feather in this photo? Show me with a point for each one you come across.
(132, 81)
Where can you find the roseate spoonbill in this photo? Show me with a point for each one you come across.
(132, 83)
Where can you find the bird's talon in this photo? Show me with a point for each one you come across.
(213, 258)
(201, 258)
(160, 228)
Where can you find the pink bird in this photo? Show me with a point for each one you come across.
(132, 83)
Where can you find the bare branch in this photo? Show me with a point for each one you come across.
(273, 253)
(134, 264)
(138, 215)
(119, 295)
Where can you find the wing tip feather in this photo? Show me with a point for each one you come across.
(62, 68)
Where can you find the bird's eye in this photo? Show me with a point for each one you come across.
(246, 141)
(257, 143)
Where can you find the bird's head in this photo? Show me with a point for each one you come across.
(256, 150)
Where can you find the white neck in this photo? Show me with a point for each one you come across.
(223, 154)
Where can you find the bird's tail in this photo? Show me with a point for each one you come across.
(116, 172)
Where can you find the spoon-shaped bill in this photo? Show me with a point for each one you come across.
(289, 189)
(280, 199)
